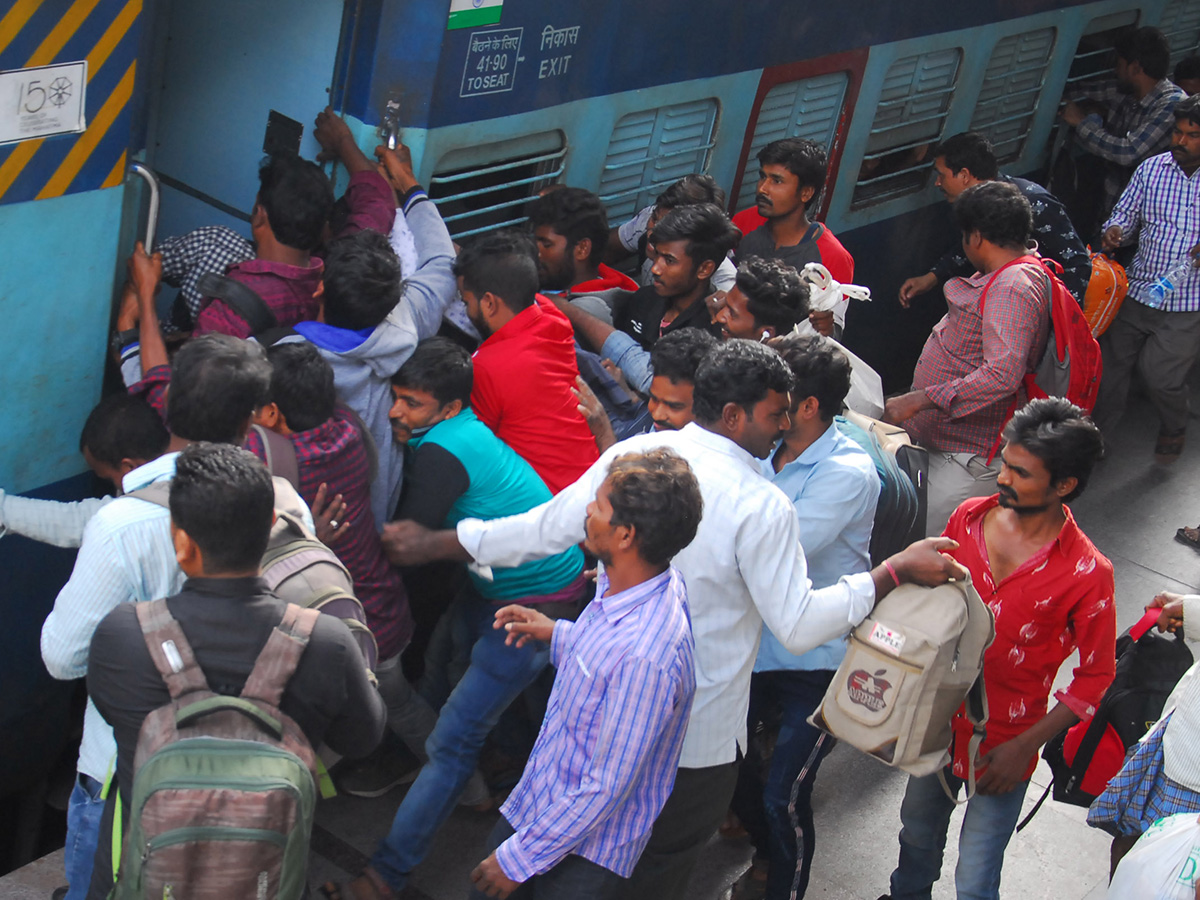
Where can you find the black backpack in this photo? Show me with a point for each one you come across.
(1085, 757)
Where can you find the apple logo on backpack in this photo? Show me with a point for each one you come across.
(868, 690)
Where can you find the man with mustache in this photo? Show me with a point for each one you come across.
(1051, 591)
(1160, 337)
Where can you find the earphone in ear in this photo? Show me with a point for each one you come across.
(766, 335)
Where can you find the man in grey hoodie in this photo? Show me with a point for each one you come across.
(373, 321)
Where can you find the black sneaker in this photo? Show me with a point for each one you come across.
(388, 767)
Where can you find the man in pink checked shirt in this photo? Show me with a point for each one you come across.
(606, 757)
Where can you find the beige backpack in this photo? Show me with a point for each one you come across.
(910, 665)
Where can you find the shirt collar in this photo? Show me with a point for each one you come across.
(1164, 87)
(521, 322)
(1068, 536)
(315, 267)
(147, 473)
(713, 441)
(814, 452)
(618, 606)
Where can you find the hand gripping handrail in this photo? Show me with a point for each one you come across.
(152, 214)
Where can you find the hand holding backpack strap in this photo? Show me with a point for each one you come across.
(170, 650)
(280, 656)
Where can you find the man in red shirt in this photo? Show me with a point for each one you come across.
(1052, 592)
(525, 368)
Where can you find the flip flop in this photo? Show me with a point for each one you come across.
(1169, 446)
(1189, 536)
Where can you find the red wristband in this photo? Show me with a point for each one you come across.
(887, 564)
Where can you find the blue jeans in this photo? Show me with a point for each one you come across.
(777, 811)
(925, 820)
(574, 878)
(84, 811)
(496, 676)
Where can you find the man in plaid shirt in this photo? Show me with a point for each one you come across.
(1125, 120)
(969, 376)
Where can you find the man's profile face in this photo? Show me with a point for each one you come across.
(474, 312)
(950, 183)
(735, 318)
(669, 403)
(766, 423)
(413, 411)
(779, 193)
(673, 273)
(1185, 144)
(1024, 481)
(556, 266)
(598, 526)
(108, 472)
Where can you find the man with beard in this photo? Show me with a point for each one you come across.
(1158, 334)
(570, 230)
(1051, 591)
(525, 368)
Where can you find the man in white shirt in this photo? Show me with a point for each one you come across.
(745, 567)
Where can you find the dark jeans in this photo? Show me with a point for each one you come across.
(777, 810)
(574, 878)
(690, 817)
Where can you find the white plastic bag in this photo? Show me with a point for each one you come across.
(826, 294)
(1163, 864)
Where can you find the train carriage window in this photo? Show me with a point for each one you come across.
(1181, 24)
(1094, 56)
(809, 109)
(652, 149)
(908, 121)
(486, 187)
(1012, 85)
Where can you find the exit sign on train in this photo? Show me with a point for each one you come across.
(42, 101)
(469, 13)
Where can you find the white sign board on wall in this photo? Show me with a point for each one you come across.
(42, 101)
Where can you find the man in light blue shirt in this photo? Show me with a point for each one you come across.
(834, 487)
(127, 555)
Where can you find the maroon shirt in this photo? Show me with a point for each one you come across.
(287, 290)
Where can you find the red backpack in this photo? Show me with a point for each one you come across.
(1071, 365)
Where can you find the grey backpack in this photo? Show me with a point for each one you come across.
(909, 667)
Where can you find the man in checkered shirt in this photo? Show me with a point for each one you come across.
(969, 377)
(1161, 209)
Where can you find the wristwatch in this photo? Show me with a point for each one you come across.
(122, 339)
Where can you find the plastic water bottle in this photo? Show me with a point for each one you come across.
(1166, 284)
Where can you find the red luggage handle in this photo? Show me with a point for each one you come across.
(1145, 623)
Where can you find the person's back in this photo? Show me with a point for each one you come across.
(221, 509)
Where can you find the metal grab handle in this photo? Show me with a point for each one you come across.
(152, 214)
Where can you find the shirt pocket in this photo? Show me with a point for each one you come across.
(583, 695)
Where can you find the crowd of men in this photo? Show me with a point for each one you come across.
(474, 429)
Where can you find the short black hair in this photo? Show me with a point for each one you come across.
(217, 382)
(362, 280)
(971, 151)
(776, 295)
(1148, 47)
(297, 198)
(998, 212)
(708, 232)
(821, 370)
(1188, 67)
(574, 213)
(441, 367)
(805, 159)
(690, 190)
(656, 493)
(1061, 435)
(124, 426)
(504, 264)
(301, 384)
(223, 499)
(1188, 110)
(737, 371)
(677, 354)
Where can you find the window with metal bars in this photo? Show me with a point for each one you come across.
(1181, 24)
(909, 119)
(1094, 58)
(483, 188)
(811, 108)
(1011, 88)
(653, 148)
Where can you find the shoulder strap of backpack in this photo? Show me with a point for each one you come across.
(281, 455)
(975, 707)
(280, 656)
(241, 299)
(170, 650)
(157, 492)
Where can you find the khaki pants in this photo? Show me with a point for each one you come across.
(953, 478)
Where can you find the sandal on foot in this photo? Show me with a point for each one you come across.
(1189, 536)
(1169, 446)
(367, 886)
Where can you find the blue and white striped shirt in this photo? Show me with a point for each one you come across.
(1162, 205)
(606, 756)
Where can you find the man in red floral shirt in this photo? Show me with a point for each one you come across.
(1052, 592)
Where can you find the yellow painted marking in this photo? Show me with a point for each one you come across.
(112, 36)
(14, 20)
(62, 32)
(117, 175)
(11, 167)
(78, 155)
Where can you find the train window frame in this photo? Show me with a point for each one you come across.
(633, 173)
(486, 187)
(767, 116)
(1169, 22)
(1017, 61)
(912, 103)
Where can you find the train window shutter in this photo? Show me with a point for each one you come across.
(1094, 56)
(653, 148)
(1181, 24)
(485, 187)
(810, 109)
(1012, 85)
(909, 120)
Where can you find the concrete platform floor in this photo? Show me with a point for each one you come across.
(1130, 510)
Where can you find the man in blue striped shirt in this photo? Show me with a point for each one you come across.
(1160, 336)
(606, 757)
